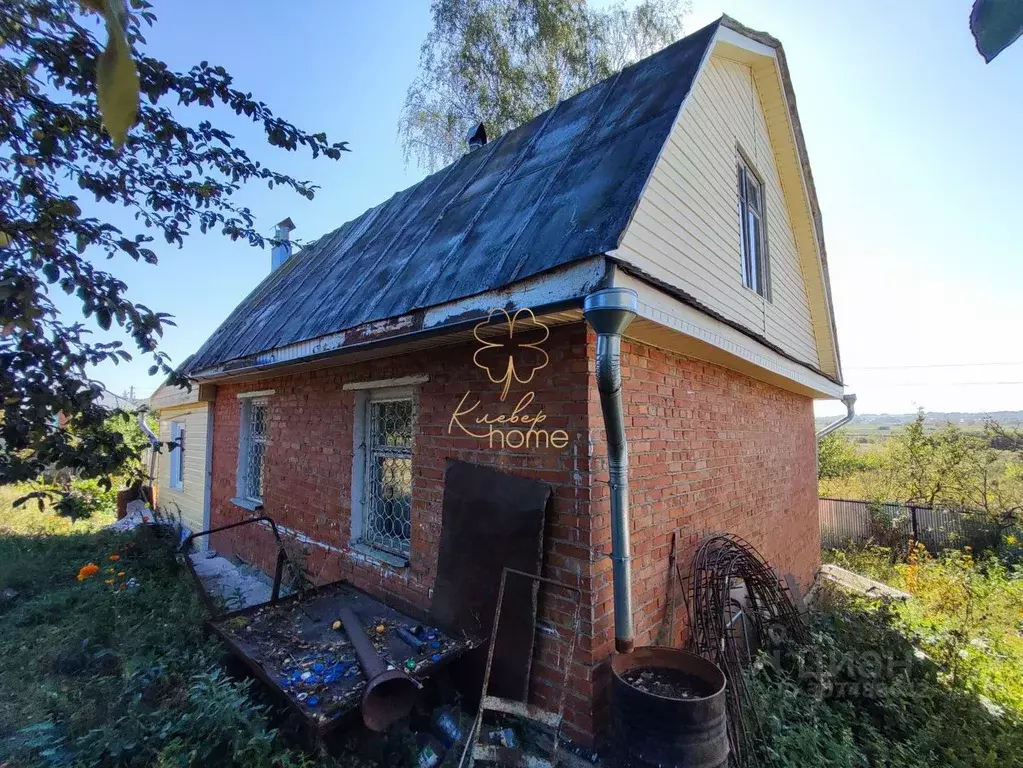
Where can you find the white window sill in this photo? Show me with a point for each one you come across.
(248, 504)
(378, 555)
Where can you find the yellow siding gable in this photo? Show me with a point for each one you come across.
(190, 499)
(686, 233)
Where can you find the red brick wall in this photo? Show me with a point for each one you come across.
(710, 450)
(309, 467)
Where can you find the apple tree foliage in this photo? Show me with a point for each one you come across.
(88, 117)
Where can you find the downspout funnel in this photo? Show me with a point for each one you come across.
(610, 311)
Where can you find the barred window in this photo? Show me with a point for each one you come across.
(252, 450)
(387, 476)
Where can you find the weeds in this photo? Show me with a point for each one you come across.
(113, 669)
(966, 614)
(862, 695)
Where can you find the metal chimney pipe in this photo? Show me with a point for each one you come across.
(281, 252)
(609, 311)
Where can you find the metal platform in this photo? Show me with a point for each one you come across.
(292, 645)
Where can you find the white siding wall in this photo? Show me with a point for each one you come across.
(191, 498)
(686, 232)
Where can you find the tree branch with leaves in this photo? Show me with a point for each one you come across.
(176, 178)
(503, 62)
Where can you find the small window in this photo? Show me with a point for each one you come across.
(252, 450)
(755, 274)
(385, 522)
(177, 456)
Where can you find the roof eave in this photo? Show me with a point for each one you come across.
(551, 292)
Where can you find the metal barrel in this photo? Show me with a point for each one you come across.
(390, 693)
(655, 730)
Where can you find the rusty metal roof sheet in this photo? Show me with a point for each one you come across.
(555, 190)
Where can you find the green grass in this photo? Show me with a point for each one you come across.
(860, 695)
(27, 520)
(96, 672)
(966, 613)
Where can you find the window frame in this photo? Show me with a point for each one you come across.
(362, 458)
(755, 267)
(176, 478)
(249, 401)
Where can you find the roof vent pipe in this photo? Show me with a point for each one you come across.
(476, 137)
(282, 251)
(610, 311)
(850, 404)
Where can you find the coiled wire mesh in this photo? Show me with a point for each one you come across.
(738, 607)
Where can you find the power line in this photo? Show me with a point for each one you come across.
(953, 384)
(931, 365)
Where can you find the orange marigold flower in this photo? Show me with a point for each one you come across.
(114, 558)
(120, 574)
(88, 570)
(108, 581)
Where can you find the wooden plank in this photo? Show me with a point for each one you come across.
(531, 712)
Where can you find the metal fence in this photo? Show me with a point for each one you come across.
(845, 521)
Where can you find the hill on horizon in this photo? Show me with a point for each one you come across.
(882, 422)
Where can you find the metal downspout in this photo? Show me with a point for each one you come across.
(154, 444)
(609, 311)
(850, 404)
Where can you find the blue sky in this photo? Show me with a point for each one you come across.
(913, 140)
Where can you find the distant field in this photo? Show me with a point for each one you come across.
(872, 427)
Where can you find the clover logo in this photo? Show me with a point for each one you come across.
(513, 350)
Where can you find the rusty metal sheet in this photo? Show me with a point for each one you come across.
(491, 520)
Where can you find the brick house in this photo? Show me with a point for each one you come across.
(335, 388)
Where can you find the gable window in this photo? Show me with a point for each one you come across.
(382, 492)
(755, 274)
(177, 456)
(252, 450)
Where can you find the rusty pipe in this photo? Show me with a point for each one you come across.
(390, 693)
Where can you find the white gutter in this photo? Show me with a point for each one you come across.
(850, 404)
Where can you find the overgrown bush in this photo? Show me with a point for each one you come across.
(103, 661)
(966, 614)
(862, 695)
(76, 497)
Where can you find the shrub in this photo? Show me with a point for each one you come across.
(861, 695)
(97, 673)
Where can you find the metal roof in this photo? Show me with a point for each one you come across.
(555, 190)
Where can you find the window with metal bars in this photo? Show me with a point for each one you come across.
(755, 272)
(252, 456)
(387, 479)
